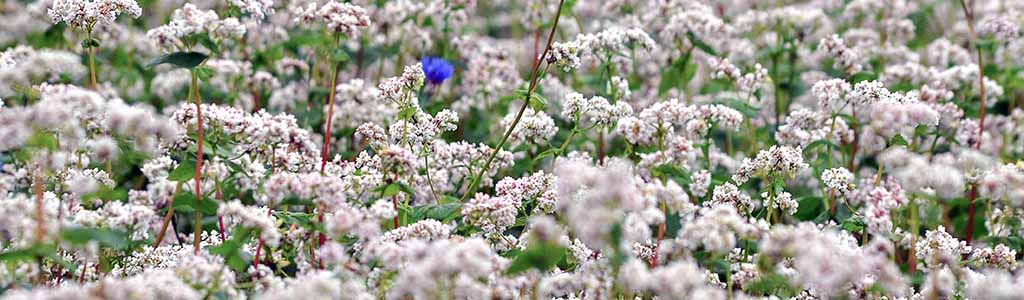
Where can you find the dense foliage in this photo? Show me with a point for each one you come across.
(462, 149)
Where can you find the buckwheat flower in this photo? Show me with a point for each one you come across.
(849, 60)
(698, 19)
(285, 98)
(1000, 256)
(831, 93)
(993, 284)
(436, 69)
(88, 13)
(373, 134)
(939, 284)
(573, 105)
(537, 186)
(338, 17)
(837, 180)
(716, 229)
(865, 93)
(319, 285)
(258, 9)
(783, 161)
(565, 55)
(428, 229)
(721, 116)
(492, 214)
(535, 127)
(104, 149)
(938, 248)
(593, 198)
(132, 218)
(7, 59)
(729, 195)
(227, 28)
(746, 83)
(635, 130)
(400, 89)
(902, 114)
(235, 213)
(602, 112)
(700, 182)
(1003, 29)
(1004, 182)
(783, 202)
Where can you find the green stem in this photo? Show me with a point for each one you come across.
(529, 94)
(92, 62)
(198, 228)
(330, 112)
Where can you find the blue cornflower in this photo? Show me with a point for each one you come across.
(436, 69)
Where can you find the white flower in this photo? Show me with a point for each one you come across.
(89, 13)
(837, 180)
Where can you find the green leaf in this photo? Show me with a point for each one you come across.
(186, 60)
(768, 284)
(204, 73)
(106, 237)
(810, 207)
(567, 6)
(186, 202)
(41, 140)
(815, 144)
(393, 189)
(898, 140)
(853, 224)
(27, 254)
(672, 171)
(679, 74)
(185, 171)
(305, 220)
(440, 212)
(231, 248)
(540, 255)
(742, 106)
(339, 55)
(547, 153)
(699, 44)
(90, 43)
(207, 42)
(863, 76)
(538, 102)
(406, 113)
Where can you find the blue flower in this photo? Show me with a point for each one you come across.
(436, 69)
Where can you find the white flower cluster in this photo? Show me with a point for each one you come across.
(938, 248)
(537, 186)
(401, 89)
(235, 213)
(1003, 29)
(597, 108)
(190, 20)
(716, 229)
(774, 162)
(535, 127)
(89, 13)
(25, 65)
(837, 180)
(598, 47)
(492, 214)
(338, 17)
(746, 83)
(727, 194)
(846, 58)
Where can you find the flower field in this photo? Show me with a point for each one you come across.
(497, 149)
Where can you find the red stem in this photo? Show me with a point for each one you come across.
(661, 235)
